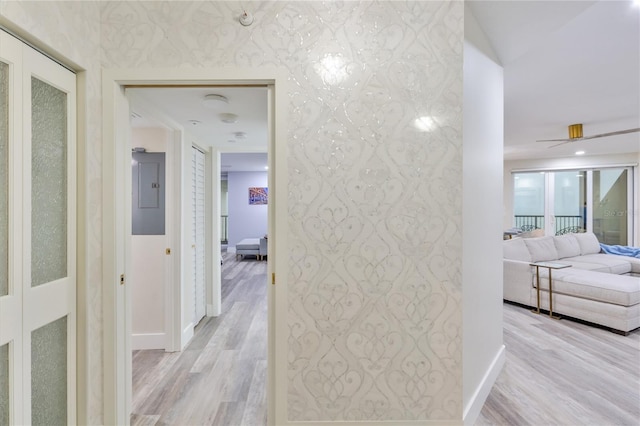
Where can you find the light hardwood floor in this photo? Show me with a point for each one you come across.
(556, 372)
(220, 377)
(564, 373)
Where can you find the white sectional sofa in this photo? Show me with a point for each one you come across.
(599, 288)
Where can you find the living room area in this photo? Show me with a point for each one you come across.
(570, 177)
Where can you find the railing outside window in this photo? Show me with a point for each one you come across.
(224, 229)
(530, 222)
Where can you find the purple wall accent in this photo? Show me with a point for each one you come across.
(245, 221)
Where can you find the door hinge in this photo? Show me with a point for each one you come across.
(121, 279)
(273, 278)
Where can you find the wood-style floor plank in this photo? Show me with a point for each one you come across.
(223, 367)
(564, 373)
(556, 372)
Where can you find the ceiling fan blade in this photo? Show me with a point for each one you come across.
(565, 142)
(555, 140)
(619, 132)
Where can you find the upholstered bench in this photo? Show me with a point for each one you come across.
(252, 246)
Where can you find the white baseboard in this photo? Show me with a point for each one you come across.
(212, 312)
(148, 341)
(187, 335)
(473, 408)
(377, 423)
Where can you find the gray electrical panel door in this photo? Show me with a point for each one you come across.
(148, 193)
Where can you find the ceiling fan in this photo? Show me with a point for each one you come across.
(575, 135)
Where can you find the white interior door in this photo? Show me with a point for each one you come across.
(38, 284)
(198, 233)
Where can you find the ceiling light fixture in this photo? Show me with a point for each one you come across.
(214, 101)
(227, 117)
(240, 135)
(194, 122)
(579, 152)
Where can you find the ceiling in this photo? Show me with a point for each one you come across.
(564, 62)
(243, 143)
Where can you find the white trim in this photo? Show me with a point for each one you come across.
(115, 395)
(172, 299)
(568, 168)
(214, 269)
(376, 423)
(148, 341)
(474, 407)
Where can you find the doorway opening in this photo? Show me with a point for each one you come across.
(118, 374)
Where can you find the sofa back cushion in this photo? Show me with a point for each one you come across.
(588, 242)
(516, 249)
(541, 249)
(567, 246)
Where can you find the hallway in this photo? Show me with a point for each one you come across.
(220, 378)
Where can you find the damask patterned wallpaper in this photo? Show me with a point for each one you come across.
(375, 313)
(374, 229)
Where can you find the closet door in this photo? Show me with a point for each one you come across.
(37, 231)
(198, 234)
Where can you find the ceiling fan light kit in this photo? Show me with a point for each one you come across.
(575, 131)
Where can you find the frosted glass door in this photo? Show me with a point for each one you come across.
(11, 400)
(37, 238)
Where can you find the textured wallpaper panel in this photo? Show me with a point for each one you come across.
(375, 205)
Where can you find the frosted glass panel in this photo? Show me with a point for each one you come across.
(49, 374)
(4, 384)
(49, 183)
(4, 181)
(528, 201)
(610, 206)
(569, 202)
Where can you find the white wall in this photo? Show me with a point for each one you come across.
(148, 257)
(483, 349)
(245, 221)
(569, 163)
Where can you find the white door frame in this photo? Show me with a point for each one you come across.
(115, 155)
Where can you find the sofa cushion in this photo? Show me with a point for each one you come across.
(516, 249)
(567, 246)
(588, 242)
(541, 249)
(601, 262)
(621, 290)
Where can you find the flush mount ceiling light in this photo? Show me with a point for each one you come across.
(214, 101)
(240, 135)
(579, 152)
(227, 117)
